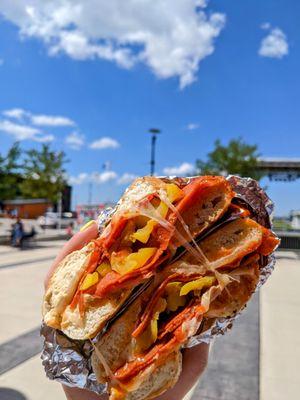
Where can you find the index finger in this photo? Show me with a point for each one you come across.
(75, 243)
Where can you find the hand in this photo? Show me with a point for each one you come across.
(194, 359)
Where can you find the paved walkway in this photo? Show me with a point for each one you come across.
(242, 363)
(233, 370)
(21, 276)
(280, 331)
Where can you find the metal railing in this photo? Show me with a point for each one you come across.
(290, 240)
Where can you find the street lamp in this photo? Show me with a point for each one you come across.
(154, 132)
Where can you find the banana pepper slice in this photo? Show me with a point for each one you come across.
(143, 234)
(174, 300)
(198, 284)
(132, 261)
(89, 280)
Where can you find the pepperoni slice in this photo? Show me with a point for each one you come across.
(269, 243)
(147, 315)
(134, 367)
(187, 313)
(161, 350)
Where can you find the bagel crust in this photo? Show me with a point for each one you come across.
(63, 285)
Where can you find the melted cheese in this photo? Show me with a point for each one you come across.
(212, 293)
(200, 255)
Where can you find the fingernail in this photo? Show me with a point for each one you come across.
(87, 225)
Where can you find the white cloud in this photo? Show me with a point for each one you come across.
(171, 37)
(192, 126)
(38, 119)
(180, 170)
(24, 132)
(75, 140)
(126, 178)
(104, 177)
(104, 143)
(24, 125)
(274, 45)
(266, 26)
(79, 179)
(15, 113)
(21, 132)
(51, 120)
(44, 138)
(94, 177)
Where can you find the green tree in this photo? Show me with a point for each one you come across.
(10, 173)
(44, 174)
(238, 158)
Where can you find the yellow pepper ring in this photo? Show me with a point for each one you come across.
(143, 234)
(89, 280)
(198, 284)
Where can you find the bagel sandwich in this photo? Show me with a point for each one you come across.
(154, 219)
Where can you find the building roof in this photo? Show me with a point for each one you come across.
(26, 201)
(279, 159)
(282, 164)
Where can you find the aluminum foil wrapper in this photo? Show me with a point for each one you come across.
(68, 361)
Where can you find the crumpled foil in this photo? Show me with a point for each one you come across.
(68, 361)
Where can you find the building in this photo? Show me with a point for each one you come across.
(295, 219)
(33, 208)
(90, 211)
(26, 208)
(66, 199)
(280, 169)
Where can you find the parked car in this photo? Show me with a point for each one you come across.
(51, 220)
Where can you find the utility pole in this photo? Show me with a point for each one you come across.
(154, 132)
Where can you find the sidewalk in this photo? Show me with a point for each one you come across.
(279, 331)
(233, 369)
(21, 276)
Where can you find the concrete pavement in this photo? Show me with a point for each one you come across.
(280, 331)
(233, 369)
(28, 380)
(21, 275)
(242, 363)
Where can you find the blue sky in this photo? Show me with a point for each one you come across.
(97, 80)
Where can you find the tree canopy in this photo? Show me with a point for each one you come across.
(39, 174)
(44, 174)
(10, 173)
(238, 158)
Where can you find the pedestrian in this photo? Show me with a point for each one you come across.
(69, 230)
(17, 232)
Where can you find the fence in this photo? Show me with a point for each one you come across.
(289, 240)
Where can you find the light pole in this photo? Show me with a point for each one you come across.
(154, 132)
